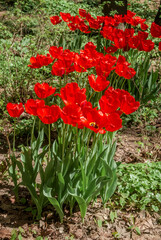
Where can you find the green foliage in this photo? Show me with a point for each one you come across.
(72, 172)
(144, 86)
(146, 115)
(139, 186)
(143, 10)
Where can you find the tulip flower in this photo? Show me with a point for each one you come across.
(160, 46)
(40, 61)
(155, 30)
(15, 110)
(43, 90)
(32, 105)
(99, 84)
(48, 114)
(55, 20)
(72, 94)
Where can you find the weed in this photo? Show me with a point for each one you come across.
(139, 186)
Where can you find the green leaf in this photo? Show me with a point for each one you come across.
(37, 144)
(47, 193)
(81, 202)
(155, 208)
(19, 236)
(137, 230)
(99, 222)
(158, 197)
(61, 179)
(13, 234)
(113, 215)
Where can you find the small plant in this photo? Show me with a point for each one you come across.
(138, 186)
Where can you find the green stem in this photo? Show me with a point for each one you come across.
(12, 172)
(60, 82)
(65, 77)
(91, 96)
(111, 76)
(123, 82)
(89, 137)
(63, 149)
(14, 136)
(32, 133)
(39, 124)
(76, 139)
(113, 83)
(49, 136)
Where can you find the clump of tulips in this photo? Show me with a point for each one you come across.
(85, 114)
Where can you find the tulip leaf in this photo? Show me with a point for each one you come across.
(81, 202)
(47, 193)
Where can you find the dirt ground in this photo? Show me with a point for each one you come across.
(97, 224)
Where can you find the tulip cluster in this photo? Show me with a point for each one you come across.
(109, 28)
(67, 62)
(77, 110)
(74, 169)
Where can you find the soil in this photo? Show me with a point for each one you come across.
(97, 223)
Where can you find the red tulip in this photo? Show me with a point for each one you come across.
(111, 49)
(114, 122)
(122, 68)
(56, 51)
(90, 47)
(40, 61)
(130, 13)
(15, 110)
(82, 63)
(93, 119)
(72, 26)
(134, 42)
(82, 13)
(72, 94)
(76, 20)
(100, 19)
(136, 20)
(128, 104)
(155, 30)
(55, 20)
(65, 16)
(124, 71)
(49, 114)
(32, 105)
(144, 26)
(93, 23)
(99, 84)
(105, 65)
(159, 46)
(61, 67)
(120, 42)
(109, 102)
(83, 27)
(43, 90)
(146, 45)
(71, 114)
(122, 60)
